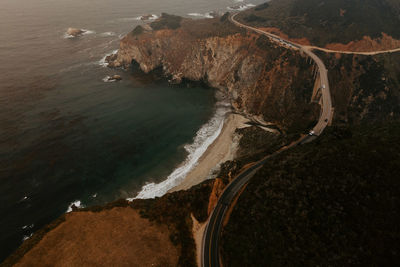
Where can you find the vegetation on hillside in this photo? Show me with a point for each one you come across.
(166, 21)
(216, 27)
(364, 88)
(333, 202)
(328, 21)
(174, 210)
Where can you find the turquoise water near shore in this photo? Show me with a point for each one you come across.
(66, 136)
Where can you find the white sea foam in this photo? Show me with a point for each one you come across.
(204, 138)
(68, 36)
(87, 32)
(27, 237)
(195, 14)
(129, 19)
(27, 226)
(241, 7)
(152, 17)
(122, 35)
(108, 79)
(84, 32)
(77, 204)
(205, 15)
(107, 34)
(102, 62)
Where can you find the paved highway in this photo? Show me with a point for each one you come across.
(210, 246)
(326, 106)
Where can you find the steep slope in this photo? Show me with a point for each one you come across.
(275, 84)
(152, 232)
(259, 77)
(365, 89)
(324, 22)
(333, 202)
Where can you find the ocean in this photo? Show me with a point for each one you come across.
(67, 136)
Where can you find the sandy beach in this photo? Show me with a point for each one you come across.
(222, 149)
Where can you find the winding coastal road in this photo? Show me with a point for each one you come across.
(210, 243)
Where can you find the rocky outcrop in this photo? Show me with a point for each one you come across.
(75, 32)
(114, 78)
(260, 77)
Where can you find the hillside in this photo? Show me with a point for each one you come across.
(259, 77)
(365, 89)
(330, 202)
(324, 22)
(152, 232)
(333, 202)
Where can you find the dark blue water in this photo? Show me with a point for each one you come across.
(94, 144)
(67, 136)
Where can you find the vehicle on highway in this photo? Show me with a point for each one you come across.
(323, 86)
(326, 120)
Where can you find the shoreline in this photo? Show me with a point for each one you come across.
(222, 149)
(205, 137)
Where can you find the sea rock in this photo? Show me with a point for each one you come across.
(115, 77)
(146, 17)
(75, 32)
(255, 74)
(111, 58)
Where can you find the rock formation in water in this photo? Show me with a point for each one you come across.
(75, 32)
(261, 78)
(271, 83)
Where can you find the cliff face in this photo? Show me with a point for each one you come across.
(259, 77)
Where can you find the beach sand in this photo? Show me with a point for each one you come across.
(221, 150)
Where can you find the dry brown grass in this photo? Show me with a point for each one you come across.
(114, 237)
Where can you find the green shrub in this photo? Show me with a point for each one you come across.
(167, 21)
(137, 31)
(261, 7)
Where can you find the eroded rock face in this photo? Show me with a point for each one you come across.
(260, 77)
(75, 32)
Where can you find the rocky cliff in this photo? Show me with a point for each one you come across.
(274, 84)
(259, 77)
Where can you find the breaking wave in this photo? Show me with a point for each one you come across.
(108, 79)
(107, 34)
(77, 204)
(84, 32)
(240, 7)
(205, 15)
(144, 17)
(204, 138)
(102, 62)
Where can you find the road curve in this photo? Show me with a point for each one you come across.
(326, 114)
(370, 53)
(210, 243)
